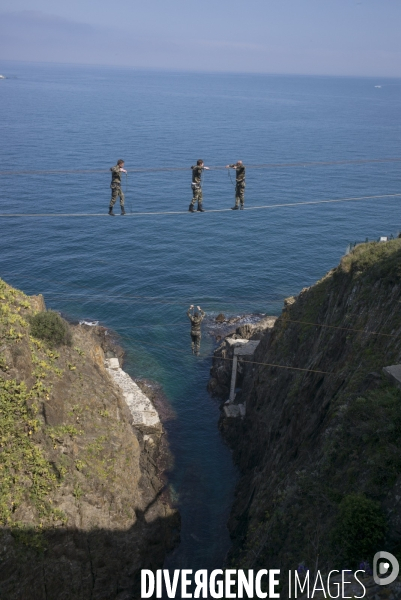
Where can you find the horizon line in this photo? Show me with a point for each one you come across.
(202, 72)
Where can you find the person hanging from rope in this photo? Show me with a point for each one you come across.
(239, 184)
(196, 319)
(116, 186)
(196, 186)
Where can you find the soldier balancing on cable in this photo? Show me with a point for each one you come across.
(196, 319)
(239, 184)
(196, 186)
(116, 186)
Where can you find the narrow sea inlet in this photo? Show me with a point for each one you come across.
(138, 275)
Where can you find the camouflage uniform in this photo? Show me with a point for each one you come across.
(116, 186)
(197, 186)
(239, 185)
(196, 334)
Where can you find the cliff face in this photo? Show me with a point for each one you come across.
(82, 503)
(318, 439)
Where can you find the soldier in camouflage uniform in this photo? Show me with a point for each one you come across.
(239, 184)
(197, 186)
(196, 320)
(116, 187)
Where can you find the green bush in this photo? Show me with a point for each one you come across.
(49, 326)
(360, 528)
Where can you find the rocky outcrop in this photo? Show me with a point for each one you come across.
(221, 370)
(83, 506)
(320, 426)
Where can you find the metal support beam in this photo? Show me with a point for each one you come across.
(242, 347)
(233, 379)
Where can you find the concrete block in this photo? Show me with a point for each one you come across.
(235, 343)
(232, 410)
(394, 374)
(247, 349)
(112, 363)
(142, 410)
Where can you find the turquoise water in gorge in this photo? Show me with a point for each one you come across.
(137, 275)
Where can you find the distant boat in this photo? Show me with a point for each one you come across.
(378, 86)
(2, 76)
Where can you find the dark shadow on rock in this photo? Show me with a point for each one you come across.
(84, 565)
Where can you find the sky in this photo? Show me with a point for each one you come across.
(319, 37)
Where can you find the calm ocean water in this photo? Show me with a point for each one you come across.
(138, 275)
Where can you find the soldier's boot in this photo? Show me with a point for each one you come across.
(236, 207)
(191, 208)
(200, 207)
(111, 211)
(242, 207)
(123, 211)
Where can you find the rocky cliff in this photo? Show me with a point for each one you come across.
(318, 447)
(82, 502)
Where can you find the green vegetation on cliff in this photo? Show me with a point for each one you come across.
(27, 477)
(359, 527)
(316, 446)
(80, 498)
(49, 326)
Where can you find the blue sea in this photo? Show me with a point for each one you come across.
(138, 274)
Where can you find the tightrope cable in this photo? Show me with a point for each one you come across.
(253, 362)
(214, 210)
(230, 359)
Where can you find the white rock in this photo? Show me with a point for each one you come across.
(238, 342)
(112, 363)
(142, 410)
(234, 410)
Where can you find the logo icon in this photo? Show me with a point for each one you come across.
(385, 563)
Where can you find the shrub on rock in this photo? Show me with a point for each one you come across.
(49, 326)
(360, 528)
